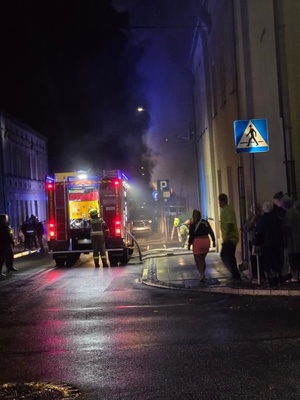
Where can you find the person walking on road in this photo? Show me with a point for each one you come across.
(98, 229)
(6, 244)
(230, 237)
(199, 233)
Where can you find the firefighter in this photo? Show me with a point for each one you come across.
(175, 228)
(184, 233)
(98, 230)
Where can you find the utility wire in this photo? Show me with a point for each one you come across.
(168, 27)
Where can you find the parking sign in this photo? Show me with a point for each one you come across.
(163, 185)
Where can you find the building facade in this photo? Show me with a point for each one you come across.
(24, 165)
(245, 66)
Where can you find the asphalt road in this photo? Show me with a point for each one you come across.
(105, 333)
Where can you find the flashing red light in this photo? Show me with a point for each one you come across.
(116, 182)
(51, 230)
(118, 228)
(50, 186)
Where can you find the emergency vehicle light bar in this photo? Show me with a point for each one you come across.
(114, 173)
(83, 178)
(49, 181)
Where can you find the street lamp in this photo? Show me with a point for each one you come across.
(146, 112)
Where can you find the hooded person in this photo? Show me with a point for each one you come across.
(277, 202)
(269, 231)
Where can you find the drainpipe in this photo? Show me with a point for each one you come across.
(284, 98)
(3, 203)
(195, 138)
(241, 177)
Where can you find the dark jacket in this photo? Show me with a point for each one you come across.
(269, 230)
(28, 226)
(200, 228)
(6, 238)
(39, 228)
(279, 212)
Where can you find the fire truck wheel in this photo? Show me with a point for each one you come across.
(113, 261)
(60, 262)
(71, 260)
(117, 261)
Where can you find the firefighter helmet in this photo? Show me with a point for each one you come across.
(93, 212)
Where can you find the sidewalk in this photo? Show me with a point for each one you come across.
(20, 252)
(175, 269)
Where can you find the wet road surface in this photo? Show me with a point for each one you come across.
(112, 337)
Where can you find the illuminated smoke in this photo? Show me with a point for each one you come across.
(165, 72)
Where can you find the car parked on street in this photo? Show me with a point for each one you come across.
(142, 220)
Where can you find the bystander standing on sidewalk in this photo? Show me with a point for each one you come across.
(230, 236)
(30, 233)
(6, 244)
(291, 229)
(250, 227)
(39, 228)
(269, 230)
(279, 211)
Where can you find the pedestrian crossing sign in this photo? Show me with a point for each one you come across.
(251, 136)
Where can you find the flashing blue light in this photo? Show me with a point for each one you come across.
(125, 177)
(49, 179)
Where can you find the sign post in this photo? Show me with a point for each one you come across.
(251, 136)
(163, 191)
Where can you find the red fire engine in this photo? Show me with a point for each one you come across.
(70, 197)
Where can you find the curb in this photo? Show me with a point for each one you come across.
(24, 253)
(149, 278)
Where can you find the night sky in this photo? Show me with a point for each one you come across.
(77, 70)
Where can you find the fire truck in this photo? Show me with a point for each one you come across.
(70, 196)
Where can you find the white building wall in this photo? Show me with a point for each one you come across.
(258, 92)
(238, 81)
(25, 164)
